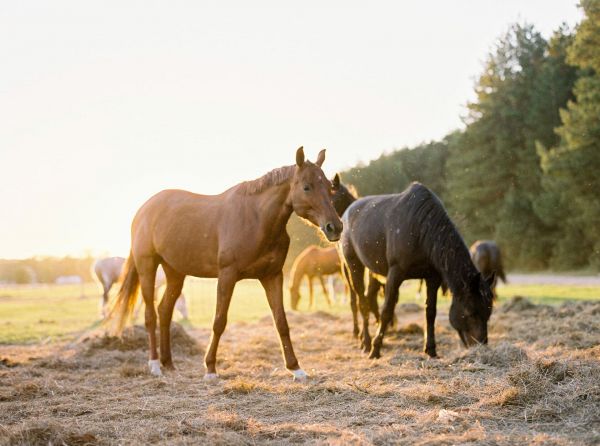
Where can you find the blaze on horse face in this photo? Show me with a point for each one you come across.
(469, 315)
(311, 196)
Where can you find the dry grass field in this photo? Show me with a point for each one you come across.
(537, 383)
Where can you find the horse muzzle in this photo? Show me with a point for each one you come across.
(332, 230)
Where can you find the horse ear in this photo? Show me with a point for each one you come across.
(320, 158)
(336, 181)
(300, 156)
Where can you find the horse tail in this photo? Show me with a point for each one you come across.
(122, 308)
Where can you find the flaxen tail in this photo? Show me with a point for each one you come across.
(122, 308)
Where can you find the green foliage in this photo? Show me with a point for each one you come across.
(571, 181)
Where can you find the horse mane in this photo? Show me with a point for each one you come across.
(273, 178)
(440, 238)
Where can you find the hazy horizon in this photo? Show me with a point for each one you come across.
(104, 105)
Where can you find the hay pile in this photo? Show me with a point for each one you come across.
(537, 383)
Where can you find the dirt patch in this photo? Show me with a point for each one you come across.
(537, 382)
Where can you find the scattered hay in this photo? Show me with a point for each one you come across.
(538, 382)
(136, 338)
(517, 304)
(47, 434)
(409, 307)
(503, 355)
(410, 329)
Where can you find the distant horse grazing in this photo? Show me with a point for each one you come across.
(488, 259)
(313, 262)
(107, 272)
(239, 234)
(410, 236)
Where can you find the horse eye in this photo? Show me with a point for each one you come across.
(306, 188)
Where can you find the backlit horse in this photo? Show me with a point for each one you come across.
(238, 234)
(313, 262)
(410, 236)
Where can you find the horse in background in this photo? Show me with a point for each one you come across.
(107, 271)
(487, 258)
(238, 234)
(410, 236)
(313, 262)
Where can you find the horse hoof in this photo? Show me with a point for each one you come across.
(154, 366)
(299, 375)
(374, 355)
(211, 377)
(431, 354)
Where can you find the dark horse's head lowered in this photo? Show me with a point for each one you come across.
(420, 242)
(471, 309)
(310, 196)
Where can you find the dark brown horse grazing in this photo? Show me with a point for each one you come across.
(313, 262)
(239, 234)
(488, 259)
(410, 236)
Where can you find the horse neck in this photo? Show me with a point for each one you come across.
(458, 269)
(275, 208)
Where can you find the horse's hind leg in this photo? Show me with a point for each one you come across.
(325, 292)
(353, 306)
(225, 286)
(394, 279)
(165, 313)
(311, 300)
(372, 291)
(147, 272)
(433, 283)
(357, 275)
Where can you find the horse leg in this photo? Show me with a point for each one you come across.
(372, 291)
(325, 292)
(393, 281)
(225, 286)
(273, 286)
(433, 283)
(352, 301)
(311, 301)
(165, 313)
(357, 275)
(105, 290)
(147, 272)
(181, 306)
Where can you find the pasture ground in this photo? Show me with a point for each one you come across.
(537, 383)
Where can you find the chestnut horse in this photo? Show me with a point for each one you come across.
(410, 236)
(313, 262)
(238, 234)
(487, 258)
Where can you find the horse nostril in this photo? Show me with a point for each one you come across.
(329, 227)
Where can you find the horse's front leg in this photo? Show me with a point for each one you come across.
(273, 286)
(430, 312)
(225, 286)
(393, 281)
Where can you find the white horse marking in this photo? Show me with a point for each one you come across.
(299, 375)
(211, 377)
(154, 366)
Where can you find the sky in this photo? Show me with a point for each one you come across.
(103, 104)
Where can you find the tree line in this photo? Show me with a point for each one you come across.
(524, 170)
